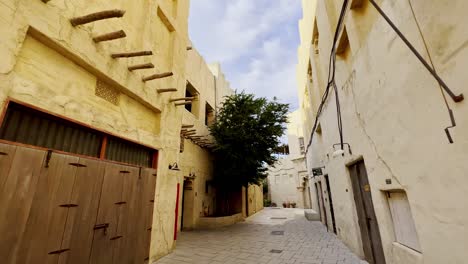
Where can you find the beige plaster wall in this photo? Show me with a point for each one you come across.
(196, 160)
(393, 116)
(51, 65)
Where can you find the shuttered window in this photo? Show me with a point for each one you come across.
(403, 223)
(127, 152)
(32, 127)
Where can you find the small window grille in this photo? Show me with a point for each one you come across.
(107, 92)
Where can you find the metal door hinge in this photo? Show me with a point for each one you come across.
(58, 251)
(79, 165)
(48, 157)
(68, 205)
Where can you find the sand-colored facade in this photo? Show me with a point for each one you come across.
(50, 65)
(288, 180)
(394, 116)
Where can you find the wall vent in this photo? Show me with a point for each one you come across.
(107, 92)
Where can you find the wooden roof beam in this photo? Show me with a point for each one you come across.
(110, 36)
(131, 54)
(182, 99)
(141, 66)
(166, 90)
(157, 76)
(76, 21)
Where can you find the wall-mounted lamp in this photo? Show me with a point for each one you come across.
(174, 167)
(341, 151)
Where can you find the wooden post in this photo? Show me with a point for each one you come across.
(157, 76)
(132, 54)
(141, 66)
(182, 99)
(96, 16)
(110, 36)
(184, 103)
(166, 90)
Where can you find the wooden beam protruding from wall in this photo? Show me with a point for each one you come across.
(182, 99)
(188, 131)
(110, 36)
(76, 21)
(131, 54)
(157, 76)
(184, 103)
(166, 90)
(141, 66)
(187, 126)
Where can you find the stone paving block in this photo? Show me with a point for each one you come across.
(250, 242)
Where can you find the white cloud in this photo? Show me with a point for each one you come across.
(254, 40)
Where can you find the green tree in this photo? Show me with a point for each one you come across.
(247, 132)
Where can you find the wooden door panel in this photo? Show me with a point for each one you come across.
(16, 200)
(7, 152)
(147, 205)
(108, 214)
(79, 231)
(371, 218)
(124, 243)
(361, 213)
(48, 214)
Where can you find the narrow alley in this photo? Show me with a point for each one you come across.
(274, 235)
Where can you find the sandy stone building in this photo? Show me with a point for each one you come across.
(104, 145)
(288, 179)
(394, 196)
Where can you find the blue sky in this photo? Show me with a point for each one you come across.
(254, 40)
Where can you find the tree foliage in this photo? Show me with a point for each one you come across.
(247, 132)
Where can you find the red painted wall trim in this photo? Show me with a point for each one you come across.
(176, 212)
(66, 153)
(3, 113)
(102, 154)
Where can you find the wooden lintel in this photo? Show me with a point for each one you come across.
(184, 103)
(141, 66)
(157, 76)
(166, 90)
(189, 131)
(96, 16)
(132, 54)
(110, 36)
(183, 99)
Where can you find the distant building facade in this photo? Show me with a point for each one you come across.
(396, 195)
(288, 180)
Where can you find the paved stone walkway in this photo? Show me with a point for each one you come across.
(252, 241)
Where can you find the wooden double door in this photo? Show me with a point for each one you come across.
(57, 208)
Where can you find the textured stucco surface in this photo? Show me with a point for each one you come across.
(53, 66)
(393, 116)
(287, 178)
